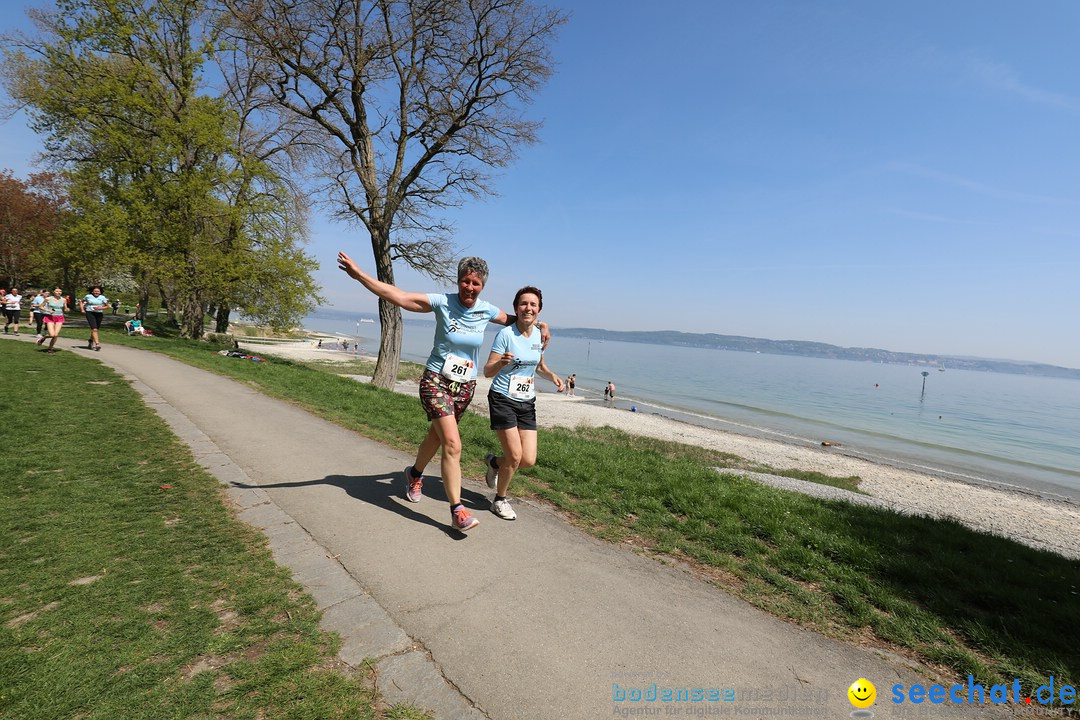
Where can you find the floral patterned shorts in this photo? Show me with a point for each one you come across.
(442, 398)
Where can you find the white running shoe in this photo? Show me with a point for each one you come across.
(502, 509)
(492, 475)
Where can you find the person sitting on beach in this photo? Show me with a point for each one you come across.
(516, 358)
(449, 380)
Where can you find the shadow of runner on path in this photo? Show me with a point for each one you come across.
(387, 492)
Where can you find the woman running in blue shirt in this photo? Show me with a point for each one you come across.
(516, 357)
(449, 380)
(93, 305)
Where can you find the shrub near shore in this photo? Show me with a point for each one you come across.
(961, 600)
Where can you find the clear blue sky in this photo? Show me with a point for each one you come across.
(895, 175)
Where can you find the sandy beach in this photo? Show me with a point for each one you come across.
(1034, 521)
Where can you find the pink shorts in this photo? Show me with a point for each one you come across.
(55, 319)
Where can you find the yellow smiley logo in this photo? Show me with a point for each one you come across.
(862, 693)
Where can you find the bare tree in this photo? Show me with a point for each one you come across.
(411, 103)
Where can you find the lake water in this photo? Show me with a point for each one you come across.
(1018, 431)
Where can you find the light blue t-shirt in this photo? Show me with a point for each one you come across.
(95, 304)
(54, 306)
(37, 303)
(518, 379)
(459, 331)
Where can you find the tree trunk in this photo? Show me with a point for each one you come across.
(193, 318)
(386, 367)
(65, 283)
(144, 300)
(169, 306)
(221, 321)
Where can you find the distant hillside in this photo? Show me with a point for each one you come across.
(815, 349)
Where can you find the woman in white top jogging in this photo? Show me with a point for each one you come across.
(12, 308)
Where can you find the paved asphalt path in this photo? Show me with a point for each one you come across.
(525, 619)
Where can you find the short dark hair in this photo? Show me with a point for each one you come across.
(530, 289)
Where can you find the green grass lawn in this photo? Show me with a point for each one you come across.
(127, 588)
(961, 600)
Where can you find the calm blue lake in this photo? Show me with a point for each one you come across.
(1014, 430)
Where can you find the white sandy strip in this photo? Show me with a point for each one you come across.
(1035, 521)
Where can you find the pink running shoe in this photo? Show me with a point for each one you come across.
(460, 519)
(414, 486)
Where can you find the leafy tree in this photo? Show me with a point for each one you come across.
(407, 104)
(153, 157)
(31, 214)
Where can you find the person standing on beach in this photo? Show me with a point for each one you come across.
(449, 380)
(571, 383)
(93, 305)
(516, 357)
(609, 394)
(12, 309)
(55, 306)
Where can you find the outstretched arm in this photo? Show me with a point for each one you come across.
(413, 302)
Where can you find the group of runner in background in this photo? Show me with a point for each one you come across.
(48, 310)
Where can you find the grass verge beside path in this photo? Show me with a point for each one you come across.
(964, 601)
(123, 598)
